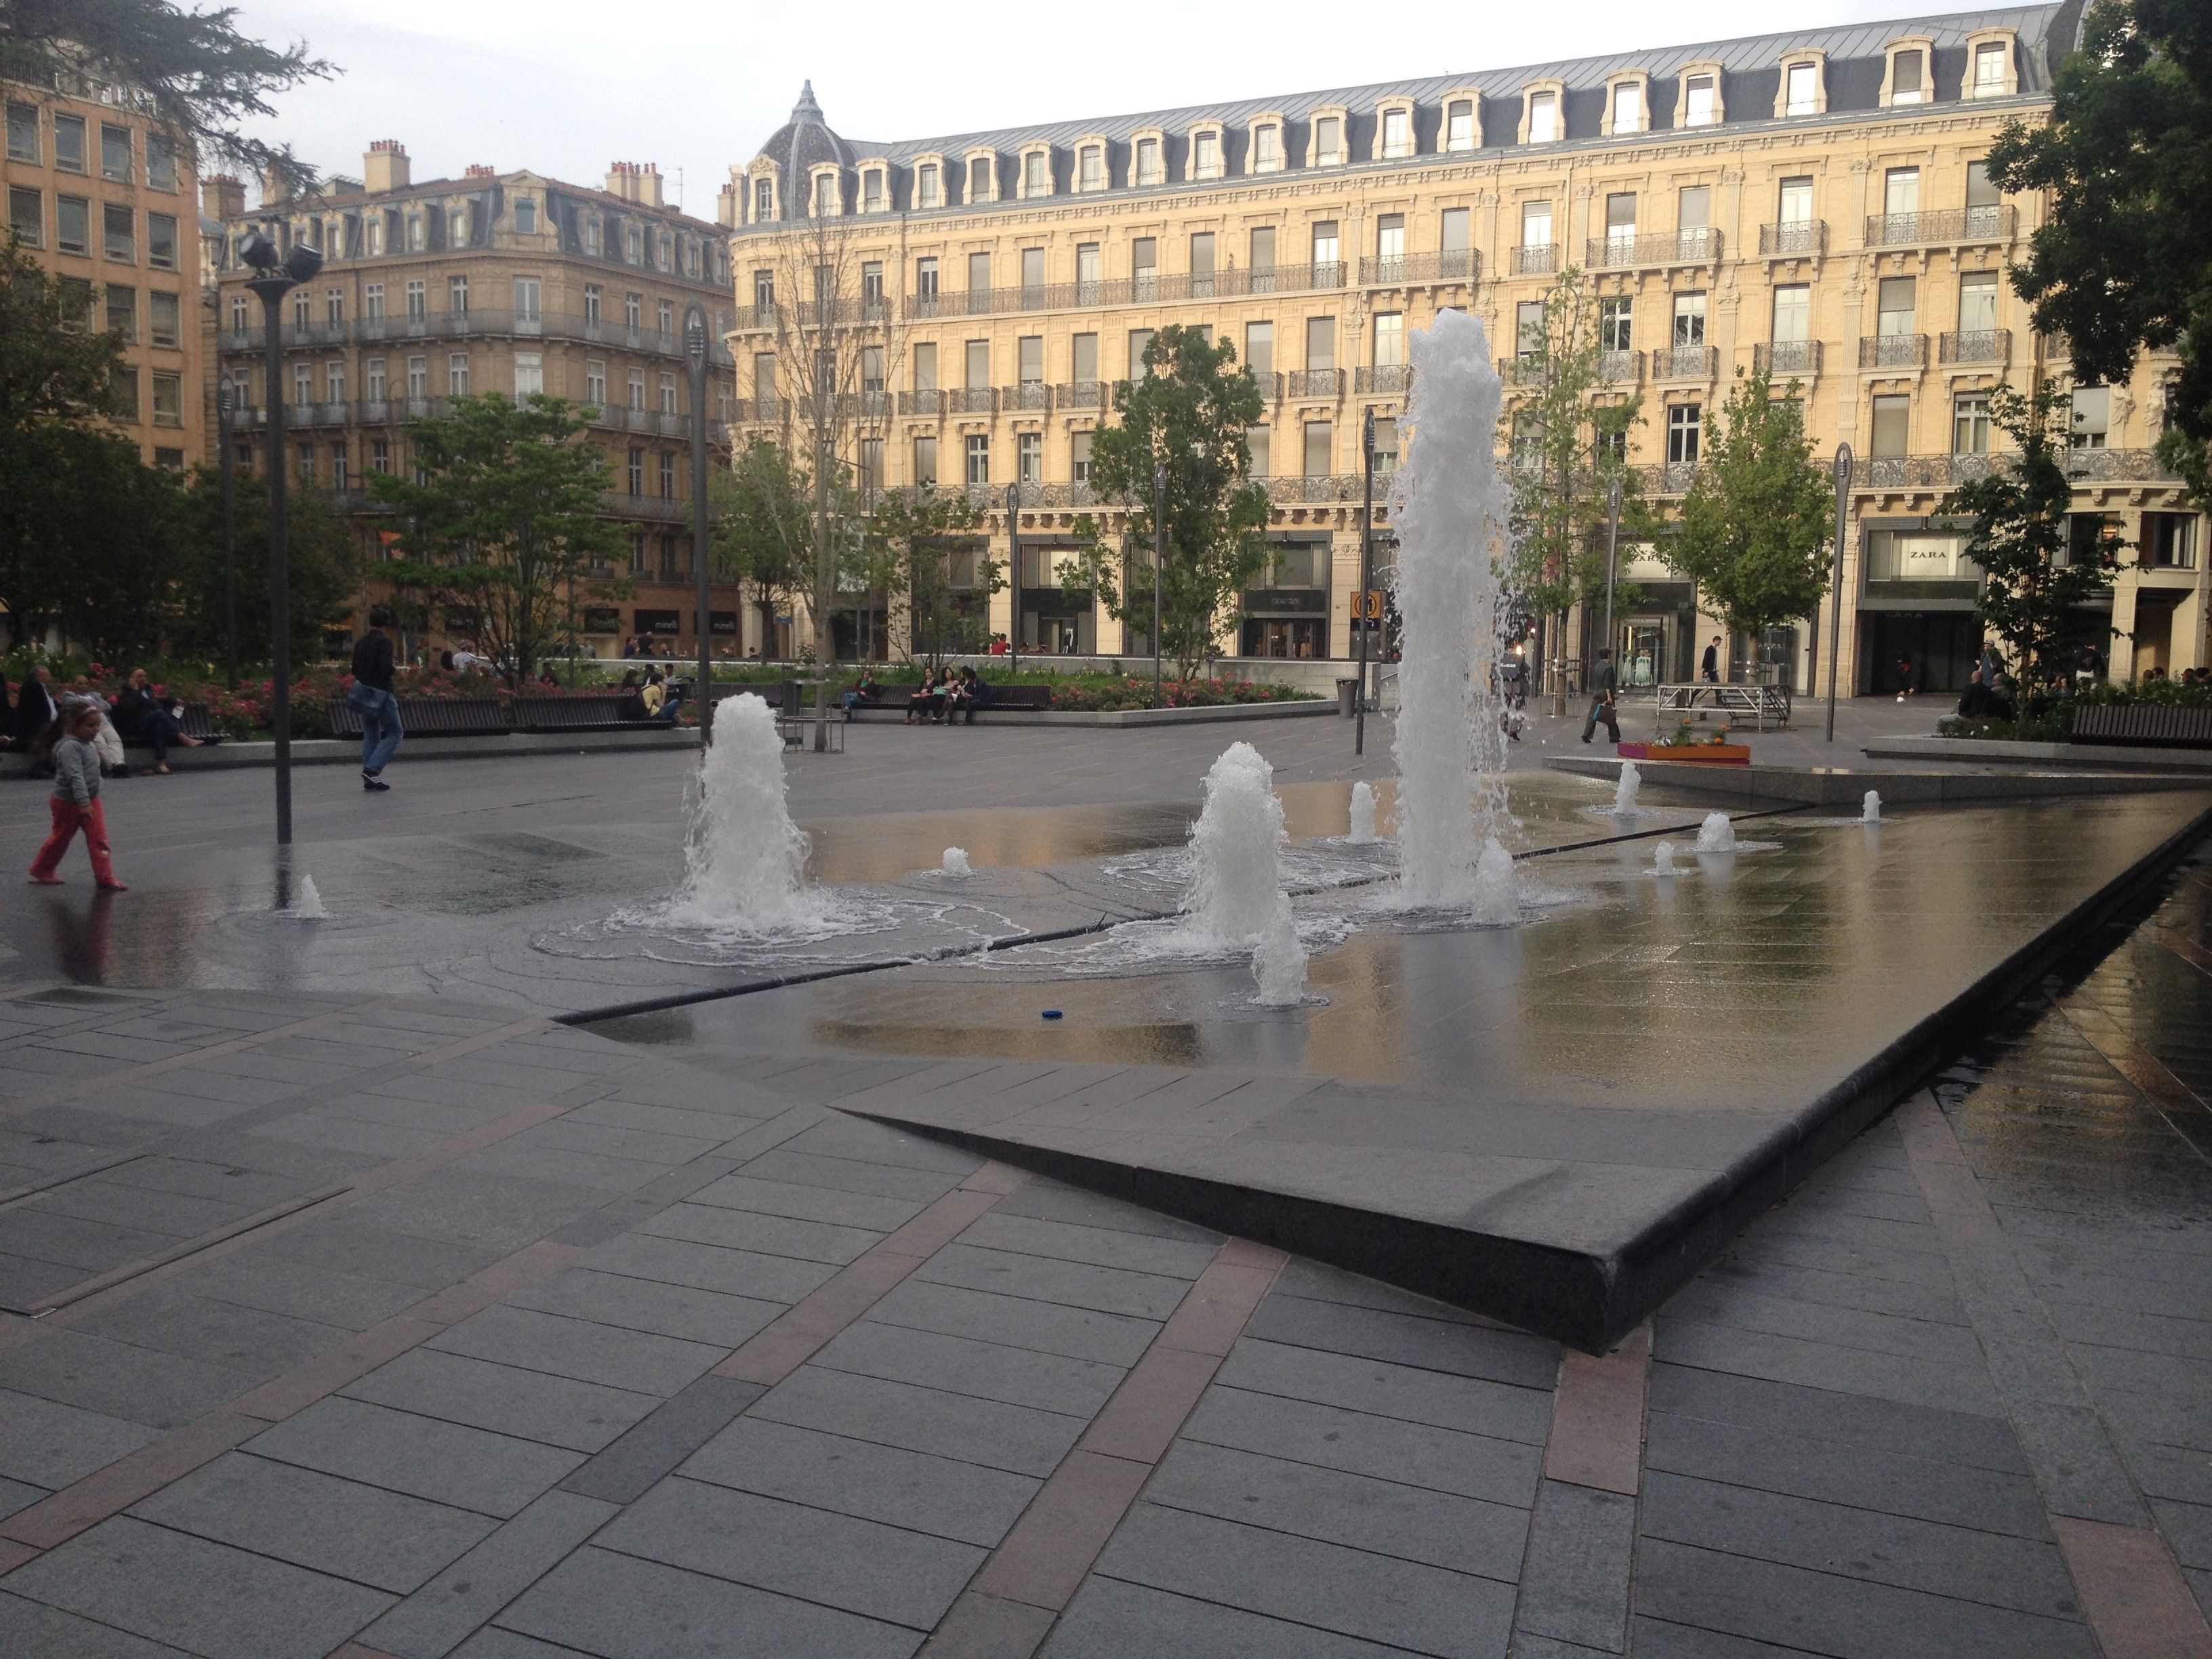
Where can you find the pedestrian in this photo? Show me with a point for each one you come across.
(1904, 676)
(370, 697)
(75, 803)
(1605, 693)
(34, 706)
(1710, 670)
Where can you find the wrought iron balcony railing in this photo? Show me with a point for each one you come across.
(1892, 350)
(1798, 238)
(1124, 291)
(1676, 247)
(1983, 345)
(1787, 356)
(1973, 224)
(1397, 270)
(1384, 380)
(1539, 259)
(1315, 383)
(1684, 362)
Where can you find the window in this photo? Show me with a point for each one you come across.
(23, 133)
(165, 317)
(1320, 342)
(1390, 339)
(595, 383)
(633, 245)
(379, 455)
(174, 460)
(1391, 243)
(1907, 78)
(303, 310)
(1267, 149)
(119, 234)
(872, 197)
(1893, 425)
(334, 379)
(123, 313)
(1144, 266)
(1078, 457)
(1083, 359)
(1090, 168)
(1628, 106)
(636, 473)
(1205, 156)
(373, 372)
(418, 377)
(68, 143)
(1793, 314)
(979, 178)
(924, 366)
(525, 216)
(1201, 265)
(1970, 425)
(1535, 224)
(1259, 444)
(338, 469)
(1328, 141)
(2093, 415)
(977, 364)
(1689, 319)
(872, 464)
(161, 240)
(1699, 108)
(1029, 458)
(1615, 324)
(825, 203)
(1619, 227)
(2169, 541)
(979, 278)
(1141, 340)
(1543, 117)
(1263, 255)
(764, 200)
(979, 458)
(871, 368)
(237, 314)
(457, 295)
(457, 374)
(418, 300)
(637, 565)
(634, 311)
(1803, 96)
(1684, 423)
(665, 311)
(1386, 455)
(668, 474)
(1453, 230)
(27, 217)
(1984, 205)
(668, 394)
(529, 293)
(1149, 171)
(1528, 328)
(1900, 199)
(1977, 302)
(115, 153)
(637, 388)
(1320, 459)
(1693, 214)
(123, 393)
(1325, 249)
(529, 374)
(168, 398)
(1028, 360)
(925, 460)
(1896, 305)
(1459, 124)
(72, 224)
(415, 235)
(929, 186)
(1397, 134)
(334, 306)
(457, 226)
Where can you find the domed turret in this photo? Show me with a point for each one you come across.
(801, 144)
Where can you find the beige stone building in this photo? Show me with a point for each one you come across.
(1811, 202)
(107, 200)
(510, 282)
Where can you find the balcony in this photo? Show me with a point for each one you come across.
(842, 314)
(1619, 368)
(1318, 488)
(664, 509)
(1973, 224)
(1541, 260)
(1893, 351)
(1128, 291)
(1685, 363)
(929, 401)
(1667, 478)
(2117, 466)
(1529, 368)
(650, 423)
(1030, 394)
(1400, 270)
(1393, 380)
(1801, 239)
(1677, 247)
(477, 324)
(1984, 345)
(1787, 357)
(1315, 383)
(971, 400)
(1083, 394)
(755, 411)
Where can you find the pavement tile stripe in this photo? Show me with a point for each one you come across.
(2130, 1060)
(796, 1335)
(57, 1519)
(2135, 1597)
(1010, 1604)
(2183, 946)
(1597, 1417)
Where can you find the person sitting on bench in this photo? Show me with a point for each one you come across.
(928, 702)
(863, 690)
(974, 693)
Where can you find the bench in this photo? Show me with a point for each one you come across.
(586, 711)
(2162, 726)
(430, 717)
(1021, 699)
(192, 722)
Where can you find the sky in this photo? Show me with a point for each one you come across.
(564, 88)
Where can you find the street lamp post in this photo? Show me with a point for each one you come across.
(1836, 581)
(225, 403)
(278, 274)
(695, 351)
(1159, 565)
(1612, 553)
(1014, 570)
(1366, 576)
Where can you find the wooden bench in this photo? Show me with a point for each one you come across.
(192, 722)
(430, 717)
(2155, 725)
(588, 711)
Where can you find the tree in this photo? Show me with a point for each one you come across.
(508, 524)
(322, 564)
(198, 74)
(114, 584)
(2123, 261)
(1567, 453)
(1756, 522)
(2038, 585)
(1190, 410)
(762, 528)
(917, 547)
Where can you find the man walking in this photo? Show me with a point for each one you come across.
(1605, 692)
(1709, 671)
(370, 697)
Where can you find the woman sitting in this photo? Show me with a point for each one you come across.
(144, 717)
(926, 699)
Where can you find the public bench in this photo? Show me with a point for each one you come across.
(588, 711)
(2160, 725)
(192, 723)
(890, 701)
(430, 717)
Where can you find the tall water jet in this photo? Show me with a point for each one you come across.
(1278, 960)
(1236, 882)
(1623, 792)
(1870, 808)
(1451, 510)
(746, 861)
(1716, 834)
(1363, 816)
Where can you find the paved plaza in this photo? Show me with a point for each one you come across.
(397, 1319)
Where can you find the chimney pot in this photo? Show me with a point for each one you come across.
(385, 168)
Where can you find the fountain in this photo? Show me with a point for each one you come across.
(745, 859)
(308, 906)
(1870, 810)
(1663, 859)
(1279, 961)
(1624, 793)
(1450, 511)
(955, 862)
(1363, 816)
(1716, 835)
(1236, 896)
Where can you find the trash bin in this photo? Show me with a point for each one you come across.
(1347, 698)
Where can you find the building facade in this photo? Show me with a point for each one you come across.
(1814, 203)
(508, 282)
(106, 199)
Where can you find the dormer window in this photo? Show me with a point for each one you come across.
(825, 195)
(979, 178)
(1626, 110)
(1801, 91)
(1035, 175)
(1700, 105)
(1267, 149)
(874, 196)
(1328, 141)
(1990, 67)
(929, 186)
(1205, 156)
(1397, 134)
(1090, 168)
(1543, 118)
(764, 200)
(1149, 171)
(1459, 124)
(1908, 81)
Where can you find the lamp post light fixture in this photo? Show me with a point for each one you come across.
(695, 353)
(1836, 581)
(276, 274)
(226, 407)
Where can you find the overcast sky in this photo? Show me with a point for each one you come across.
(565, 88)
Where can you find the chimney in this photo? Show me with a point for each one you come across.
(725, 207)
(479, 170)
(385, 168)
(648, 184)
(223, 197)
(275, 192)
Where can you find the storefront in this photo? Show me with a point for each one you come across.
(1286, 610)
(1056, 621)
(1916, 601)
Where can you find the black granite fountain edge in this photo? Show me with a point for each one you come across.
(959, 952)
(1587, 1301)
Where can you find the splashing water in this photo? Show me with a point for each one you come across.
(746, 861)
(955, 862)
(1279, 961)
(1363, 816)
(1663, 859)
(308, 905)
(1871, 810)
(1450, 511)
(1624, 793)
(1716, 834)
(1497, 887)
(1236, 847)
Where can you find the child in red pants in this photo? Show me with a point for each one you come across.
(76, 802)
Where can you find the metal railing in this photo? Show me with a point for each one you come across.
(1980, 345)
(1318, 488)
(1460, 266)
(664, 509)
(1676, 247)
(971, 400)
(929, 401)
(1667, 478)
(2117, 466)
(1030, 394)
(1083, 394)
(1892, 350)
(1541, 260)
(1685, 363)
(478, 323)
(1124, 291)
(1620, 367)
(1797, 239)
(1787, 357)
(1973, 224)
(1314, 382)
(1384, 380)
(1526, 369)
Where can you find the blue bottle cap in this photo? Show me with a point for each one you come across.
(1052, 1013)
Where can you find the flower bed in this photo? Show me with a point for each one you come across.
(2042, 718)
(1100, 692)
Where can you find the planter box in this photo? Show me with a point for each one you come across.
(1692, 754)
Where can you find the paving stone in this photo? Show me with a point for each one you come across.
(1110, 1619)
(204, 1597)
(1051, 1279)
(47, 1444)
(31, 1629)
(839, 1136)
(1047, 1201)
(989, 1370)
(252, 1341)
(557, 1410)
(1655, 1638)
(342, 1528)
(659, 1308)
(494, 1213)
(798, 1202)
(640, 1255)
(1017, 1439)
(579, 1348)
(431, 1622)
(621, 1607)
(1955, 1384)
(473, 1468)
(119, 1379)
(631, 1143)
(66, 1240)
(1104, 1246)
(353, 1302)
(1330, 1437)
(768, 1235)
(1017, 1322)
(1575, 1584)
(1389, 1390)
(1514, 1356)
(348, 1243)
(625, 1471)
(845, 1175)
(1834, 1414)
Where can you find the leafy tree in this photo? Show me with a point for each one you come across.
(762, 528)
(2037, 586)
(918, 546)
(201, 77)
(508, 527)
(1756, 522)
(1191, 411)
(2123, 262)
(1567, 454)
(322, 564)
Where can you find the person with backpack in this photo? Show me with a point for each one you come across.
(370, 695)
